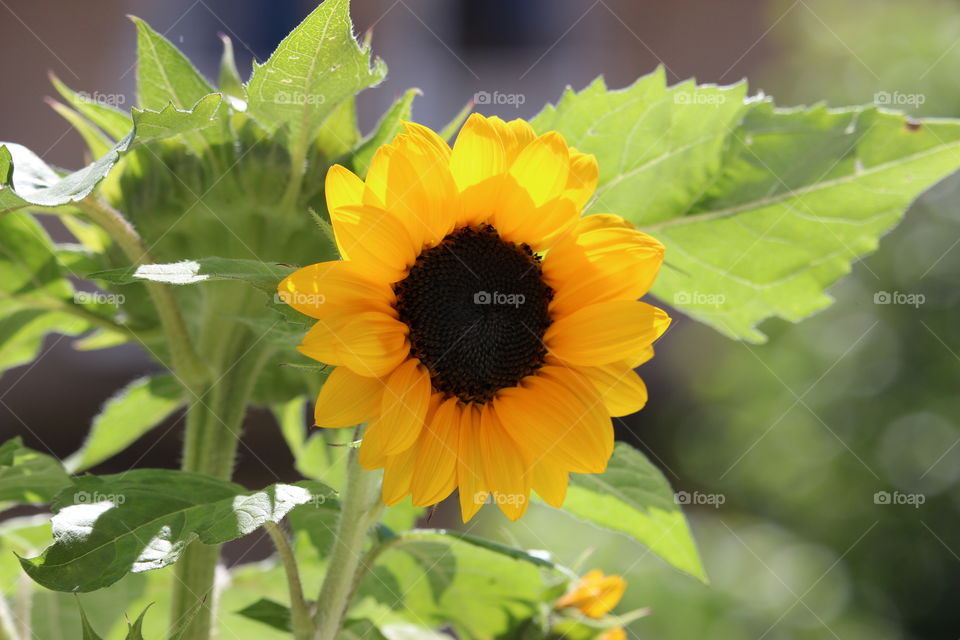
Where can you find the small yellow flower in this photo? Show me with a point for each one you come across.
(617, 633)
(485, 329)
(595, 594)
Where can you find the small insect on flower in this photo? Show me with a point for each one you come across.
(595, 594)
(485, 329)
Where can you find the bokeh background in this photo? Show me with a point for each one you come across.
(826, 461)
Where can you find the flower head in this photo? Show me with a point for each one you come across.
(595, 594)
(485, 329)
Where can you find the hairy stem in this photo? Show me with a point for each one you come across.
(300, 612)
(186, 364)
(214, 421)
(360, 509)
(298, 167)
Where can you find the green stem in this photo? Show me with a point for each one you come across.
(298, 168)
(214, 421)
(360, 508)
(185, 362)
(300, 612)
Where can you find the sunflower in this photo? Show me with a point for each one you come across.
(595, 594)
(484, 330)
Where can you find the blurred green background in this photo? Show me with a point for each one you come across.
(825, 461)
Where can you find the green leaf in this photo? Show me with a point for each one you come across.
(97, 142)
(402, 516)
(760, 209)
(339, 133)
(34, 183)
(633, 498)
(165, 75)
(23, 328)
(262, 275)
(270, 613)
(6, 166)
(171, 121)
(28, 263)
(438, 580)
(314, 69)
(367, 630)
(658, 147)
(106, 526)
(135, 630)
(100, 110)
(88, 632)
(134, 410)
(389, 126)
(28, 476)
(100, 339)
(802, 195)
(230, 83)
(319, 522)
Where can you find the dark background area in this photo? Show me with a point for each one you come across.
(797, 435)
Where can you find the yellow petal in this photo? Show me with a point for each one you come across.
(342, 189)
(543, 167)
(617, 633)
(375, 183)
(595, 594)
(471, 480)
(605, 332)
(370, 343)
(507, 468)
(515, 136)
(550, 482)
(430, 137)
(347, 399)
(622, 390)
(321, 289)
(607, 261)
(558, 416)
(518, 219)
(403, 411)
(478, 153)
(376, 240)
(397, 472)
(582, 182)
(421, 191)
(435, 473)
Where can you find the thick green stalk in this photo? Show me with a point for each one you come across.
(213, 429)
(360, 509)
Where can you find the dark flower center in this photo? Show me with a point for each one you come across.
(477, 311)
